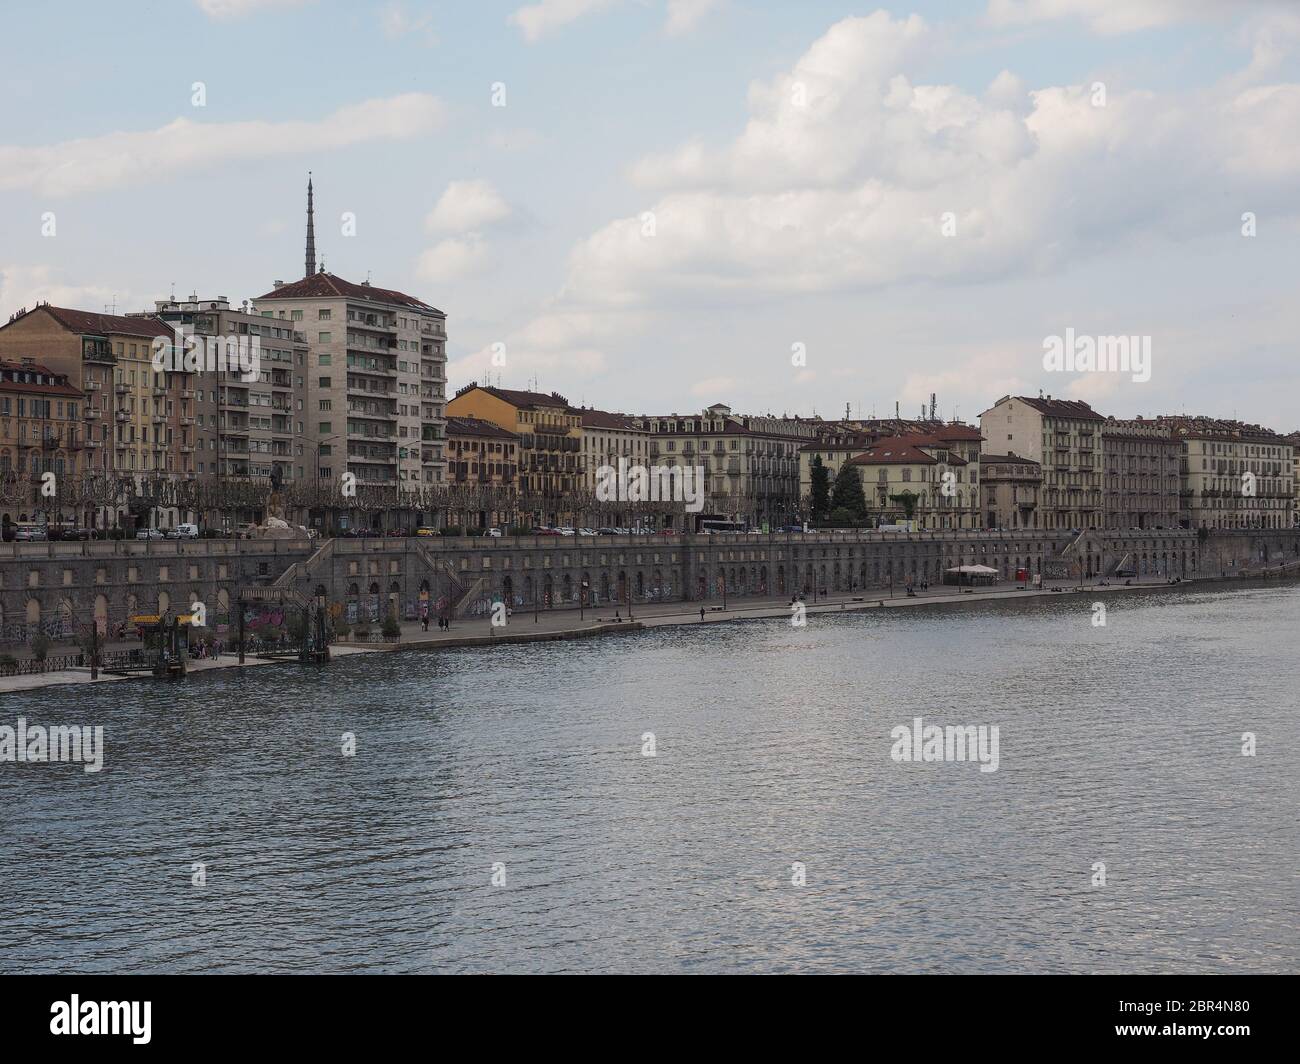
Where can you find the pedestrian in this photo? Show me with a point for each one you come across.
(701, 613)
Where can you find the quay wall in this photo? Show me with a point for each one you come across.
(58, 587)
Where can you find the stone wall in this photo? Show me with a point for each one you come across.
(59, 587)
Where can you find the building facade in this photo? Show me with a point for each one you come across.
(1234, 475)
(551, 468)
(1142, 474)
(41, 431)
(1064, 437)
(483, 455)
(1010, 487)
(238, 427)
(921, 479)
(375, 380)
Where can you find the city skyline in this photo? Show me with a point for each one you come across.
(1067, 215)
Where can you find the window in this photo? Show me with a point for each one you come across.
(322, 315)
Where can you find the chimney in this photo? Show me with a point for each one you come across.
(277, 284)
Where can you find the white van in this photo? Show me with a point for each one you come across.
(187, 531)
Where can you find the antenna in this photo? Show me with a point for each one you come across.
(106, 306)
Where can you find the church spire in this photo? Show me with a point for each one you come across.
(311, 233)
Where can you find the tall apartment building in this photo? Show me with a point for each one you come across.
(1064, 437)
(750, 462)
(376, 378)
(229, 426)
(1142, 479)
(1234, 475)
(551, 467)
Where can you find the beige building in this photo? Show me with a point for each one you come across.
(1064, 437)
(1010, 487)
(1234, 475)
(1142, 478)
(607, 437)
(1294, 440)
(750, 463)
(919, 478)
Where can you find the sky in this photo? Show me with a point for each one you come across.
(657, 205)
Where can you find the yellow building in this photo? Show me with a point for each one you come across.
(919, 478)
(550, 444)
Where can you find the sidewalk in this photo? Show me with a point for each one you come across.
(523, 625)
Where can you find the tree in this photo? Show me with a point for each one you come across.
(907, 500)
(821, 487)
(847, 493)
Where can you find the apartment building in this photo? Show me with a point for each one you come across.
(607, 437)
(1234, 475)
(375, 379)
(233, 424)
(481, 454)
(551, 467)
(1064, 437)
(1142, 474)
(1294, 440)
(41, 429)
(1009, 485)
(130, 410)
(750, 463)
(919, 478)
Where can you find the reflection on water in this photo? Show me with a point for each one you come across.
(1119, 744)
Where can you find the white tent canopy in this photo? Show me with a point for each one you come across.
(973, 570)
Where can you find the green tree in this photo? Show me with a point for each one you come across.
(907, 500)
(847, 493)
(821, 487)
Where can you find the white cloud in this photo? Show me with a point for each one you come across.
(1103, 16)
(466, 206)
(845, 172)
(395, 22)
(685, 15)
(222, 10)
(454, 259)
(536, 20)
(25, 286)
(93, 163)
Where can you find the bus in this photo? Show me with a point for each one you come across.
(718, 525)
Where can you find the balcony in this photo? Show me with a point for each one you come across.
(121, 389)
(91, 412)
(122, 415)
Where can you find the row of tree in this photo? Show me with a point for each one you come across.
(843, 501)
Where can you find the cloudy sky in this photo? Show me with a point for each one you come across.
(653, 204)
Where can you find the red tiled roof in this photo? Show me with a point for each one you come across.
(57, 386)
(894, 451)
(89, 322)
(477, 426)
(603, 419)
(328, 285)
(522, 399)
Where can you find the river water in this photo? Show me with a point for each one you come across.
(1118, 745)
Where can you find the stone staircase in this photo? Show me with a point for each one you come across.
(300, 571)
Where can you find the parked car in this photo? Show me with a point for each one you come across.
(29, 534)
(586, 532)
(564, 530)
(544, 531)
(183, 531)
(495, 533)
(424, 531)
(607, 531)
(149, 533)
